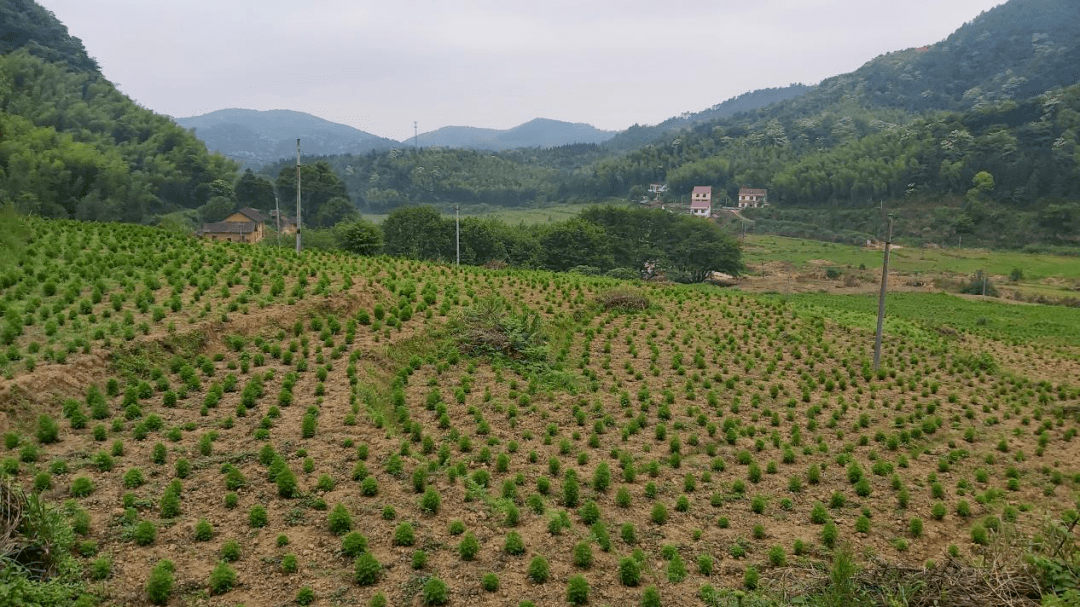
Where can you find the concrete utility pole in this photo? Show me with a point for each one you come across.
(457, 232)
(881, 298)
(415, 136)
(297, 195)
(277, 214)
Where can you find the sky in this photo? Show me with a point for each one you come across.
(380, 65)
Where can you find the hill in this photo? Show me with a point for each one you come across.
(74, 146)
(254, 138)
(240, 424)
(537, 133)
(638, 135)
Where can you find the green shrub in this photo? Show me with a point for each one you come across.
(230, 551)
(651, 597)
(577, 591)
(430, 501)
(339, 520)
(435, 592)
(366, 569)
(751, 578)
(204, 531)
(257, 516)
(353, 544)
(222, 579)
(305, 596)
(404, 535)
(629, 571)
(659, 514)
(47, 431)
(490, 582)
(538, 570)
(469, 547)
(514, 545)
(288, 563)
(145, 533)
(160, 585)
(582, 555)
(82, 487)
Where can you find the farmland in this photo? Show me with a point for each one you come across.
(222, 424)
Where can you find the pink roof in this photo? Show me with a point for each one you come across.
(752, 191)
(703, 190)
(700, 204)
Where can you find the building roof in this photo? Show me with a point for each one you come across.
(703, 190)
(254, 214)
(229, 227)
(700, 204)
(752, 191)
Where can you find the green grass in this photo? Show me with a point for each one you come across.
(551, 213)
(1035, 267)
(1002, 321)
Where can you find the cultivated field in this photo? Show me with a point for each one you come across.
(335, 430)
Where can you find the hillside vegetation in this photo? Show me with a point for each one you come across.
(244, 424)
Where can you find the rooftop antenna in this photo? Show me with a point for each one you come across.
(298, 195)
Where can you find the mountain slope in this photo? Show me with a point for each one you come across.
(540, 132)
(74, 146)
(255, 137)
(639, 135)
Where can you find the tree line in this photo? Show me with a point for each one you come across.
(620, 242)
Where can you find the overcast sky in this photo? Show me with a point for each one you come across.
(378, 65)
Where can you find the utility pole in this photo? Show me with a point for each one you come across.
(415, 136)
(881, 297)
(298, 195)
(277, 214)
(457, 232)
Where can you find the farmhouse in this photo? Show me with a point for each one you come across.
(701, 201)
(753, 198)
(245, 225)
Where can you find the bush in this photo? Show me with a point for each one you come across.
(430, 501)
(582, 555)
(257, 516)
(339, 521)
(160, 585)
(204, 531)
(651, 597)
(367, 569)
(48, 431)
(624, 299)
(629, 571)
(490, 582)
(288, 563)
(469, 547)
(435, 592)
(353, 544)
(751, 578)
(404, 535)
(659, 514)
(222, 579)
(538, 570)
(577, 591)
(82, 487)
(305, 596)
(230, 551)
(514, 545)
(145, 533)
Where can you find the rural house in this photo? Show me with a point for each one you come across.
(701, 201)
(245, 225)
(753, 198)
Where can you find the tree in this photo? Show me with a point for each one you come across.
(418, 233)
(334, 211)
(575, 243)
(359, 236)
(216, 209)
(254, 191)
(318, 185)
(705, 249)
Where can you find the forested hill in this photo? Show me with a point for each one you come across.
(27, 25)
(255, 138)
(74, 146)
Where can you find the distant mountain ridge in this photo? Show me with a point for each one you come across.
(254, 137)
(539, 132)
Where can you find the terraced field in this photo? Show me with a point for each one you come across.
(222, 424)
